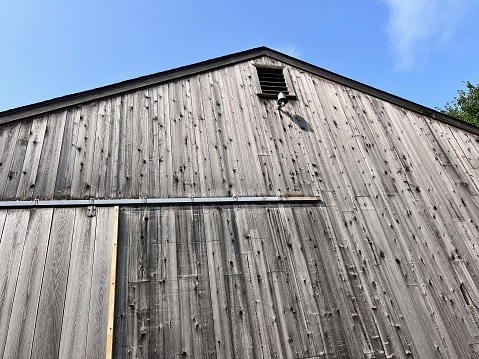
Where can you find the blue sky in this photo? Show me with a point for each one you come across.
(420, 50)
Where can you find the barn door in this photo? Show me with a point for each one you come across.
(225, 282)
(54, 282)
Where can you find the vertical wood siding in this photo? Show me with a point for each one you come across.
(210, 135)
(54, 280)
(289, 281)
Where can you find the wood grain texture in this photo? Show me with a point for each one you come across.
(77, 298)
(69, 150)
(9, 136)
(24, 311)
(48, 328)
(44, 186)
(15, 173)
(290, 281)
(11, 252)
(100, 285)
(32, 158)
(54, 281)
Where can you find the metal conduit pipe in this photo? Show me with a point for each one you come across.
(155, 201)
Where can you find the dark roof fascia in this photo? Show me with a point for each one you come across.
(189, 70)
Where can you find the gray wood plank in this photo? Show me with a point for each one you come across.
(69, 150)
(24, 311)
(264, 341)
(179, 139)
(318, 149)
(32, 159)
(11, 251)
(199, 138)
(171, 310)
(114, 150)
(222, 329)
(15, 172)
(154, 145)
(165, 144)
(140, 146)
(9, 135)
(301, 119)
(396, 167)
(77, 167)
(343, 138)
(101, 150)
(153, 324)
(145, 128)
(120, 313)
(366, 140)
(326, 145)
(74, 331)
(126, 177)
(88, 172)
(193, 159)
(466, 142)
(46, 339)
(233, 140)
(48, 166)
(253, 126)
(433, 188)
(201, 306)
(243, 125)
(213, 127)
(108, 141)
(100, 286)
(119, 179)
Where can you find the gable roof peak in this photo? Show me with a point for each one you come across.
(54, 104)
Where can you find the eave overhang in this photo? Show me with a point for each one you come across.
(59, 103)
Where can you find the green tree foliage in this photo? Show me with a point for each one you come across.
(465, 107)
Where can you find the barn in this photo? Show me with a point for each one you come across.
(186, 214)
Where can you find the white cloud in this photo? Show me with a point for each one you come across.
(416, 26)
(289, 50)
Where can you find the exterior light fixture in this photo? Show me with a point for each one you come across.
(282, 100)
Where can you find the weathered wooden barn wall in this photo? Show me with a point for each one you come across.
(388, 265)
(54, 282)
(289, 281)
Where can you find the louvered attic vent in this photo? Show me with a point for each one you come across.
(272, 82)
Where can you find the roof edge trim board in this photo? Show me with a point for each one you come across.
(189, 70)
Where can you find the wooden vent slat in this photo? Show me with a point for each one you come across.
(274, 88)
(273, 84)
(272, 80)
